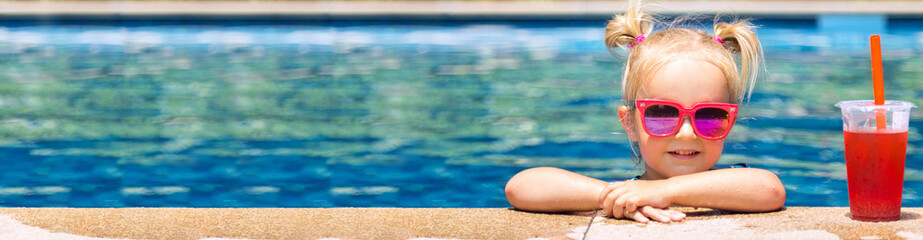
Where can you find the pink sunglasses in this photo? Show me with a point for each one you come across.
(710, 121)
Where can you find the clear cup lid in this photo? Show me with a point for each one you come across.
(870, 104)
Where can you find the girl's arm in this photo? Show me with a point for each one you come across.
(546, 189)
(734, 189)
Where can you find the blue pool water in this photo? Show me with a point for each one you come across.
(397, 113)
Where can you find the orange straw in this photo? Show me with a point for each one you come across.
(878, 81)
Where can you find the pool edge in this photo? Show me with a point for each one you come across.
(406, 223)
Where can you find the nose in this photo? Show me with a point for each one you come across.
(685, 130)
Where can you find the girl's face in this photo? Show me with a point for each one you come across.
(687, 81)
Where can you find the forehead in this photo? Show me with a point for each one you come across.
(688, 81)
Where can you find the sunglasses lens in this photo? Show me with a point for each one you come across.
(712, 122)
(661, 119)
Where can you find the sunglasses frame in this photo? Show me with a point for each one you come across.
(643, 104)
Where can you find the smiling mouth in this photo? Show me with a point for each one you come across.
(684, 154)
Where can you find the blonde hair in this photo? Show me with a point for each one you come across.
(658, 49)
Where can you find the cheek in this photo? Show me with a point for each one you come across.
(713, 150)
(652, 147)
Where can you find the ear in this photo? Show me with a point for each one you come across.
(628, 122)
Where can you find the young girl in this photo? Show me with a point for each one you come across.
(681, 89)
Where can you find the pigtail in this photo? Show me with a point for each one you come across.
(623, 30)
(739, 38)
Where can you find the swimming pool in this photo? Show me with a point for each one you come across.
(387, 113)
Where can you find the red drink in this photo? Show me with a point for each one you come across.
(875, 174)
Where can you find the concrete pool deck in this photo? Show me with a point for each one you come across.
(450, 8)
(445, 223)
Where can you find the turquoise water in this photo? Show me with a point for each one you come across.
(387, 113)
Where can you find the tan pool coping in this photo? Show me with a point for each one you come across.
(446, 223)
(448, 8)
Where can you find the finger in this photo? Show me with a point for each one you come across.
(620, 202)
(608, 203)
(638, 216)
(656, 214)
(618, 211)
(605, 192)
(618, 207)
(631, 204)
(676, 216)
(607, 209)
(623, 200)
(611, 206)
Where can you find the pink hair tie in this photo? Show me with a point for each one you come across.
(717, 39)
(638, 40)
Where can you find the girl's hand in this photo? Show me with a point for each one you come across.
(647, 213)
(628, 200)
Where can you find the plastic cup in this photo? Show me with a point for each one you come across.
(875, 157)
